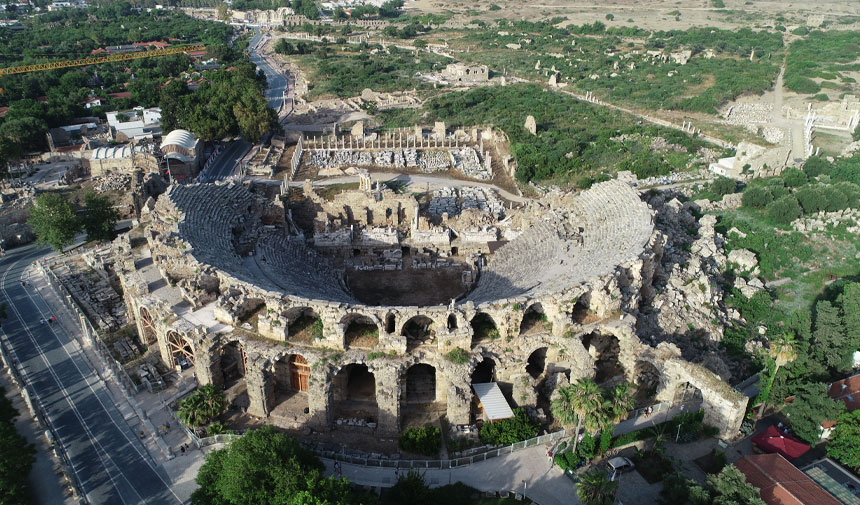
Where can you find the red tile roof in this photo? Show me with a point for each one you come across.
(781, 483)
(3, 111)
(850, 394)
(121, 94)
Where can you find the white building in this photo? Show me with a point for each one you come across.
(136, 123)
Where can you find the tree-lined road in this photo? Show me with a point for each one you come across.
(106, 455)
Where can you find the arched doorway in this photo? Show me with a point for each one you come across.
(418, 331)
(233, 362)
(535, 320)
(303, 325)
(605, 350)
(581, 313)
(390, 326)
(420, 384)
(452, 322)
(180, 350)
(291, 375)
(354, 393)
(485, 371)
(360, 332)
(646, 378)
(148, 326)
(483, 329)
(536, 364)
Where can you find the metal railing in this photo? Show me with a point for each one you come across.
(34, 404)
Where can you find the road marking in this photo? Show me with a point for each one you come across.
(63, 390)
(125, 435)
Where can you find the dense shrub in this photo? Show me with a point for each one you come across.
(757, 197)
(457, 356)
(426, 440)
(509, 431)
(723, 186)
(812, 199)
(794, 177)
(802, 84)
(784, 210)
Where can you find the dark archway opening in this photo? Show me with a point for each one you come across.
(149, 336)
(418, 331)
(232, 363)
(536, 364)
(646, 378)
(605, 350)
(452, 322)
(483, 329)
(581, 314)
(485, 371)
(390, 324)
(180, 350)
(291, 377)
(421, 384)
(354, 393)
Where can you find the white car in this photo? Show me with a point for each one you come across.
(618, 465)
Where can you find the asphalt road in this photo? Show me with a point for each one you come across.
(225, 164)
(109, 460)
(277, 82)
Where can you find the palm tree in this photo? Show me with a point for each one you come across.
(782, 352)
(587, 406)
(594, 488)
(201, 406)
(620, 402)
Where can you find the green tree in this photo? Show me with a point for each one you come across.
(844, 444)
(781, 352)
(830, 339)
(509, 431)
(729, 487)
(784, 210)
(27, 133)
(619, 403)
(595, 488)
(223, 11)
(810, 407)
(757, 197)
(420, 43)
(794, 177)
(54, 221)
(201, 406)
(850, 305)
(16, 457)
(265, 467)
(723, 186)
(100, 217)
(585, 401)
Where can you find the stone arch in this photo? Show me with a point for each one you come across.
(418, 331)
(420, 384)
(148, 326)
(646, 378)
(535, 320)
(484, 329)
(452, 321)
(180, 349)
(360, 331)
(484, 371)
(536, 362)
(354, 393)
(290, 381)
(233, 362)
(605, 349)
(304, 325)
(390, 323)
(581, 312)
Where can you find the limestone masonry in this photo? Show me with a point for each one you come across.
(343, 311)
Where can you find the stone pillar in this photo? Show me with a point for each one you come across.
(207, 363)
(163, 349)
(255, 380)
(459, 403)
(387, 400)
(319, 397)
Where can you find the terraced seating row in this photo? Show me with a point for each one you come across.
(616, 225)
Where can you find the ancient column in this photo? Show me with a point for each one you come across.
(387, 399)
(255, 381)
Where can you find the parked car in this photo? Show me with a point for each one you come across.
(618, 465)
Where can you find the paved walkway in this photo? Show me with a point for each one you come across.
(527, 469)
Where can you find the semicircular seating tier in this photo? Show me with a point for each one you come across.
(595, 232)
(219, 220)
(603, 228)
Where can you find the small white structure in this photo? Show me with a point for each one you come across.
(492, 402)
(136, 123)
